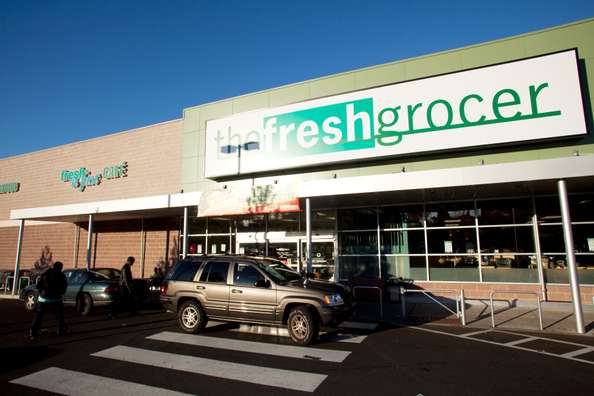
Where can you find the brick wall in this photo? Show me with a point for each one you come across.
(112, 243)
(153, 154)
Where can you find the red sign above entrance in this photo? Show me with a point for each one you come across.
(269, 198)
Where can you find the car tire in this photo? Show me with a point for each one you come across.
(303, 325)
(84, 304)
(191, 317)
(30, 301)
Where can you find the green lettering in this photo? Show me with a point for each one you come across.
(465, 120)
(497, 103)
(411, 113)
(448, 108)
(533, 94)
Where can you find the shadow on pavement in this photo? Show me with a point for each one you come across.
(17, 357)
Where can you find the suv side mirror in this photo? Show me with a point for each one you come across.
(264, 283)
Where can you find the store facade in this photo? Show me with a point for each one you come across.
(442, 169)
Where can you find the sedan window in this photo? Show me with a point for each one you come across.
(78, 277)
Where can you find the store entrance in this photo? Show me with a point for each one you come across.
(292, 250)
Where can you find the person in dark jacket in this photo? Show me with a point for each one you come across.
(127, 286)
(51, 287)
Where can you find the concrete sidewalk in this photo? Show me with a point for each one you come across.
(511, 315)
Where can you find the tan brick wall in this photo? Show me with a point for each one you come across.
(112, 242)
(153, 154)
(559, 293)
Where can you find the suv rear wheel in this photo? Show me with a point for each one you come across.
(303, 325)
(191, 317)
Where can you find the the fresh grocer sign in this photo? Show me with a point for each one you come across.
(535, 98)
(8, 188)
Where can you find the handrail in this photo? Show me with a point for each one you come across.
(460, 304)
(8, 285)
(537, 294)
(381, 297)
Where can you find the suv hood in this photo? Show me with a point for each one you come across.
(323, 286)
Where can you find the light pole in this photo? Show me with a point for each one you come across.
(247, 146)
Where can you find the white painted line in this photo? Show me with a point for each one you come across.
(326, 355)
(359, 325)
(503, 345)
(67, 382)
(288, 379)
(475, 333)
(265, 330)
(578, 352)
(517, 342)
(349, 338)
(547, 339)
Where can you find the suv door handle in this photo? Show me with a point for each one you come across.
(200, 287)
(236, 291)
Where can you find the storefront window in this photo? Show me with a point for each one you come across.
(219, 244)
(196, 225)
(450, 214)
(581, 207)
(583, 238)
(219, 225)
(364, 242)
(453, 268)
(551, 239)
(402, 242)
(457, 240)
(507, 239)
(548, 209)
(352, 267)
(196, 245)
(252, 223)
(288, 222)
(505, 211)
(406, 267)
(357, 219)
(401, 216)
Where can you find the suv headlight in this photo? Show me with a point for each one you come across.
(333, 299)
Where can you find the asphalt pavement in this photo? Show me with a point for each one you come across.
(147, 354)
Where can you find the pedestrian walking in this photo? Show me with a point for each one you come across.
(51, 287)
(127, 287)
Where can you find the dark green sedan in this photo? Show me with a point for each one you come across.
(86, 289)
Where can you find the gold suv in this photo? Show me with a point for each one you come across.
(250, 290)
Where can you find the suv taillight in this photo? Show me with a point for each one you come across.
(112, 289)
(164, 288)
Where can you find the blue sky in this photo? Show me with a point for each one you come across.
(74, 70)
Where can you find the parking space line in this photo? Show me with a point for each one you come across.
(504, 345)
(287, 379)
(475, 333)
(578, 352)
(516, 342)
(326, 355)
(68, 382)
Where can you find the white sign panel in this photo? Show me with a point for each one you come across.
(536, 98)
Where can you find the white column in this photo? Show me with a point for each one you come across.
(573, 278)
(17, 262)
(185, 240)
(89, 242)
(308, 233)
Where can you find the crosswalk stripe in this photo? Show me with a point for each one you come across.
(326, 355)
(68, 382)
(283, 332)
(288, 379)
(359, 325)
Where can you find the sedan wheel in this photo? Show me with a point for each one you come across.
(30, 301)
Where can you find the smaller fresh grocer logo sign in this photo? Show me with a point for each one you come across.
(82, 178)
(537, 98)
(8, 188)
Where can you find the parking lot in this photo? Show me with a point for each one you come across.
(147, 354)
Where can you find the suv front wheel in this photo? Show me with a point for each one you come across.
(303, 325)
(191, 317)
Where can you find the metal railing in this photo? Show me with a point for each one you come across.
(381, 296)
(537, 294)
(8, 284)
(460, 305)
